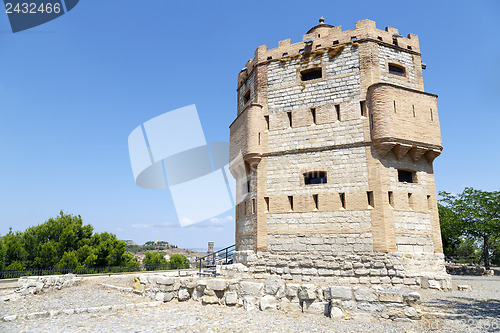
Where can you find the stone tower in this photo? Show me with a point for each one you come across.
(332, 149)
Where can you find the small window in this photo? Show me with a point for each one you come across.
(335, 42)
(301, 51)
(311, 74)
(380, 38)
(354, 38)
(266, 199)
(391, 198)
(246, 97)
(410, 201)
(337, 110)
(290, 202)
(369, 196)
(313, 115)
(414, 114)
(394, 106)
(395, 41)
(266, 118)
(289, 114)
(318, 46)
(409, 47)
(316, 203)
(405, 176)
(342, 200)
(432, 116)
(396, 70)
(253, 206)
(429, 202)
(269, 58)
(362, 105)
(248, 186)
(285, 54)
(315, 177)
(259, 138)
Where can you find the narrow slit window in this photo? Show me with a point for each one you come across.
(266, 118)
(246, 97)
(335, 42)
(414, 115)
(369, 196)
(432, 116)
(406, 176)
(394, 106)
(259, 138)
(337, 110)
(289, 114)
(391, 198)
(395, 41)
(342, 200)
(313, 115)
(316, 203)
(311, 74)
(429, 202)
(410, 200)
(396, 70)
(290, 202)
(315, 177)
(253, 206)
(362, 105)
(266, 199)
(248, 186)
(318, 46)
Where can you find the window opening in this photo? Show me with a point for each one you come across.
(337, 109)
(246, 97)
(289, 114)
(342, 200)
(290, 202)
(391, 198)
(362, 105)
(267, 122)
(313, 114)
(311, 74)
(315, 177)
(405, 176)
(266, 199)
(396, 70)
(369, 196)
(315, 199)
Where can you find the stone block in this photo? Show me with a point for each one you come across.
(249, 303)
(231, 298)
(217, 284)
(268, 302)
(164, 297)
(366, 294)
(206, 299)
(188, 283)
(183, 294)
(336, 313)
(248, 288)
(307, 292)
(272, 285)
(320, 308)
(338, 293)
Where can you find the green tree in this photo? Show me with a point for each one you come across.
(154, 259)
(178, 261)
(130, 261)
(13, 249)
(68, 260)
(477, 214)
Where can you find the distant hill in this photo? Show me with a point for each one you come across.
(161, 246)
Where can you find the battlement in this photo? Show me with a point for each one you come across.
(324, 36)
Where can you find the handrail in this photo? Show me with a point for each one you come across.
(211, 258)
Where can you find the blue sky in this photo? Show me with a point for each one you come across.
(72, 90)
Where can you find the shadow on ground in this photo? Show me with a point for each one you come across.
(469, 306)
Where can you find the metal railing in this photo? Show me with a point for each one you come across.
(85, 270)
(221, 257)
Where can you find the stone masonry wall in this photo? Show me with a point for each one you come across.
(417, 270)
(337, 302)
